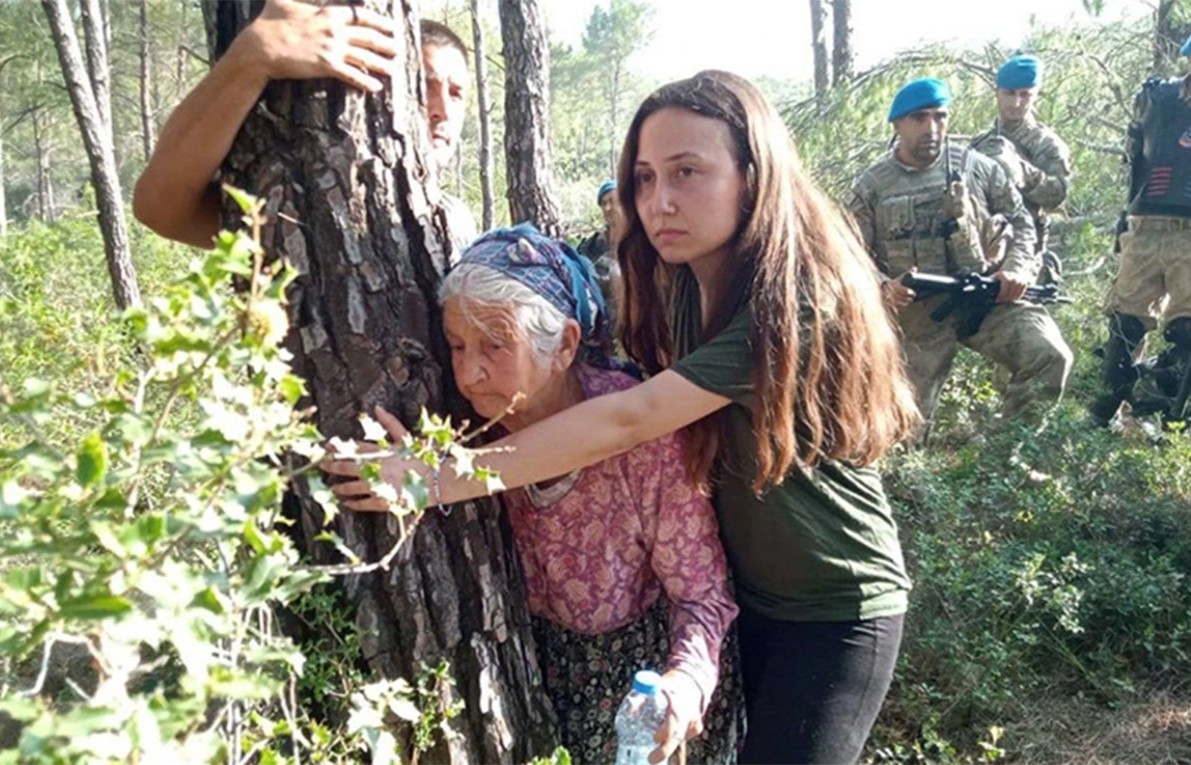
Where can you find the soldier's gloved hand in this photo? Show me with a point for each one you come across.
(1013, 286)
(897, 295)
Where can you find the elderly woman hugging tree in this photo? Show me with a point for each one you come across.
(623, 565)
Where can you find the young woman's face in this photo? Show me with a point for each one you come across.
(688, 187)
(492, 363)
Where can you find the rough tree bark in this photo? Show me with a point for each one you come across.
(819, 47)
(342, 176)
(482, 102)
(841, 51)
(528, 162)
(97, 140)
(99, 71)
(146, 53)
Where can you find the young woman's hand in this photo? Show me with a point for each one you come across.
(293, 40)
(357, 493)
(684, 719)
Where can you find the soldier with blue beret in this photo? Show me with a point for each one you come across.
(939, 208)
(600, 247)
(1036, 159)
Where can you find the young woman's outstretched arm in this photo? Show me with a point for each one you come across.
(583, 435)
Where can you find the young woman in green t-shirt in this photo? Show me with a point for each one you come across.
(757, 313)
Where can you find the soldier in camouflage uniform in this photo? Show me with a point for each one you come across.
(1036, 159)
(942, 209)
(1154, 278)
(599, 248)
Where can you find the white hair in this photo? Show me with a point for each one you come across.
(534, 318)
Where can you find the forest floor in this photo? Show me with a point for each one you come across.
(1154, 730)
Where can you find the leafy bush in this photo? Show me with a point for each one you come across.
(1044, 564)
(141, 529)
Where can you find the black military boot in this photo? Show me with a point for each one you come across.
(1118, 370)
(1159, 385)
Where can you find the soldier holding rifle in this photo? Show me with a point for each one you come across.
(932, 207)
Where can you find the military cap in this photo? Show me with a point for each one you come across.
(924, 93)
(1020, 72)
(605, 187)
(1186, 49)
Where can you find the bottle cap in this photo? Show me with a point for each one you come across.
(646, 681)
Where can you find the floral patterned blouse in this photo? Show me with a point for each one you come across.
(600, 546)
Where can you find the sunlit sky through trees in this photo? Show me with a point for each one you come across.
(772, 37)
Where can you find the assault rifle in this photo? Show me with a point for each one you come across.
(970, 297)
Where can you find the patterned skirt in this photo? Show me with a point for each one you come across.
(587, 676)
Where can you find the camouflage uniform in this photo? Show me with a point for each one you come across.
(903, 218)
(598, 249)
(1039, 163)
(1154, 278)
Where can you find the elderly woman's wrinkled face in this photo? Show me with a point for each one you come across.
(491, 360)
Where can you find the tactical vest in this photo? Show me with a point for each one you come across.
(916, 224)
(1163, 185)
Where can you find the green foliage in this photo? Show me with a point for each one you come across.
(1039, 563)
(1044, 564)
(141, 533)
(559, 756)
(593, 96)
(425, 706)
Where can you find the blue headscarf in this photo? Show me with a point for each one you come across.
(1020, 72)
(562, 276)
(605, 187)
(924, 93)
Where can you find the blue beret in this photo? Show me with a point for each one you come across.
(605, 187)
(1020, 72)
(924, 93)
(1186, 49)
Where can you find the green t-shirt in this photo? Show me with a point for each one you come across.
(820, 546)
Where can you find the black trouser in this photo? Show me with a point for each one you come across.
(813, 689)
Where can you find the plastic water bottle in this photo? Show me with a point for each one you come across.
(640, 715)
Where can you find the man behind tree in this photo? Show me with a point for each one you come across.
(1036, 159)
(1154, 278)
(177, 195)
(936, 208)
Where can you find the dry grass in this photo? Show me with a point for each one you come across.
(1154, 729)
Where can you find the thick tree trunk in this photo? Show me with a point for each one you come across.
(99, 71)
(841, 52)
(528, 164)
(485, 109)
(342, 176)
(146, 54)
(97, 141)
(819, 47)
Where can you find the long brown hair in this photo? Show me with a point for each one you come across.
(829, 382)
